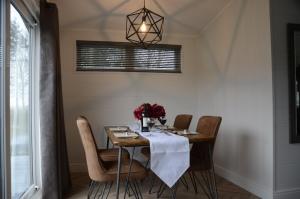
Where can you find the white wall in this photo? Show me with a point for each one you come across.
(235, 81)
(109, 98)
(287, 161)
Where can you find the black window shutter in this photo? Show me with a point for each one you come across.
(122, 56)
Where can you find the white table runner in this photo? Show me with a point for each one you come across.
(170, 155)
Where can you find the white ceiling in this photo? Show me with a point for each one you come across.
(181, 16)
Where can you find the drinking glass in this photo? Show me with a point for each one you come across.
(151, 123)
(162, 120)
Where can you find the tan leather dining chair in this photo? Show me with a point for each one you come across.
(107, 154)
(183, 121)
(201, 156)
(104, 171)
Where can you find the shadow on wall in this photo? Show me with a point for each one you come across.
(106, 14)
(221, 68)
(240, 144)
(237, 142)
(246, 152)
(171, 17)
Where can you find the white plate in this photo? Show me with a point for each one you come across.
(118, 128)
(165, 127)
(126, 135)
(186, 133)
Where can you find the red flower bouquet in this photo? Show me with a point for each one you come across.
(155, 111)
(139, 110)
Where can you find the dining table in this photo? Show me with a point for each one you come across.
(139, 140)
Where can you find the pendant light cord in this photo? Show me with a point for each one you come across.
(144, 4)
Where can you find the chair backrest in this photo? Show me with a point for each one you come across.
(94, 163)
(200, 151)
(183, 121)
(209, 125)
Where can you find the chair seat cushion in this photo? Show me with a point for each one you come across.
(112, 154)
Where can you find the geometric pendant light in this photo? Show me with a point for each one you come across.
(144, 27)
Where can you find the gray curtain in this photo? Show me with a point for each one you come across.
(55, 167)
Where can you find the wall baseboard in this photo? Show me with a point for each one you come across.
(78, 167)
(244, 183)
(287, 194)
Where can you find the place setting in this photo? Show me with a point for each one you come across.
(123, 132)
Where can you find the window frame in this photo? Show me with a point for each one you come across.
(129, 45)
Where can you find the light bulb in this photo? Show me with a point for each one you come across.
(144, 27)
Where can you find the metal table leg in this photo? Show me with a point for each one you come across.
(107, 142)
(119, 171)
(128, 176)
(174, 190)
(213, 170)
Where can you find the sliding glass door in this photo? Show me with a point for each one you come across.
(19, 124)
(23, 123)
(20, 105)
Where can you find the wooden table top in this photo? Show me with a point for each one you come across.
(141, 141)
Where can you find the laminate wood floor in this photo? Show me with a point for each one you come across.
(226, 190)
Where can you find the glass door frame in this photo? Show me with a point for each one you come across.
(31, 21)
(5, 153)
(4, 100)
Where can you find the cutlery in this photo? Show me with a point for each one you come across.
(167, 133)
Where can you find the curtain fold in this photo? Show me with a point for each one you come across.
(54, 160)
